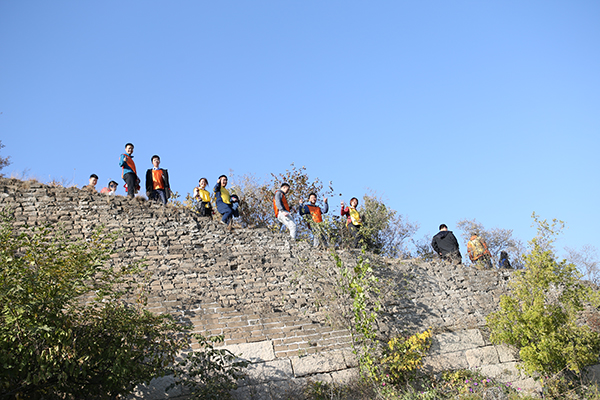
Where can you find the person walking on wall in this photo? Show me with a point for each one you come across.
(282, 209)
(311, 208)
(128, 172)
(444, 243)
(157, 182)
(353, 220)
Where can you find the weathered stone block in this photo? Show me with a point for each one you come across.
(319, 363)
(253, 352)
(276, 370)
(456, 341)
(482, 356)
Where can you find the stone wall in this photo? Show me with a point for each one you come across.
(270, 298)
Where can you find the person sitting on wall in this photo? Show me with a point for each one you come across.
(226, 206)
(157, 182)
(92, 185)
(129, 173)
(504, 262)
(353, 220)
(316, 213)
(282, 209)
(202, 196)
(111, 190)
(444, 243)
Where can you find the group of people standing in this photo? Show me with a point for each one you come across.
(283, 210)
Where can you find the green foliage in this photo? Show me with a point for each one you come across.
(209, 373)
(383, 228)
(64, 330)
(361, 285)
(325, 391)
(466, 381)
(403, 355)
(539, 316)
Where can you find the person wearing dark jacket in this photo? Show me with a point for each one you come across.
(444, 243)
(157, 182)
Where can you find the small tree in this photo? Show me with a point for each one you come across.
(65, 329)
(383, 229)
(539, 317)
(586, 260)
(4, 161)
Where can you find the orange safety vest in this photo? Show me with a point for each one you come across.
(285, 204)
(130, 164)
(158, 181)
(315, 213)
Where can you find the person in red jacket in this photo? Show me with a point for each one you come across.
(353, 220)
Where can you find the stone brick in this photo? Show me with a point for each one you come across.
(332, 361)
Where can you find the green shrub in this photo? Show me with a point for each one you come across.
(209, 373)
(402, 356)
(539, 317)
(65, 331)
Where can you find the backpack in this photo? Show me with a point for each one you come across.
(478, 249)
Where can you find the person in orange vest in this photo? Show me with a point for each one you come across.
(157, 182)
(478, 252)
(353, 220)
(282, 209)
(316, 213)
(129, 173)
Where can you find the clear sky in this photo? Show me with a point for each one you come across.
(448, 109)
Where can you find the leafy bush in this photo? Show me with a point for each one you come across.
(65, 331)
(539, 317)
(209, 373)
(383, 228)
(402, 356)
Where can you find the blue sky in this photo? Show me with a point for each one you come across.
(449, 110)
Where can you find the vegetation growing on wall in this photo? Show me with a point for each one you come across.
(539, 317)
(72, 325)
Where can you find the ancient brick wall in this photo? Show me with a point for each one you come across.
(256, 288)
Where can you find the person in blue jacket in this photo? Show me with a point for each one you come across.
(311, 208)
